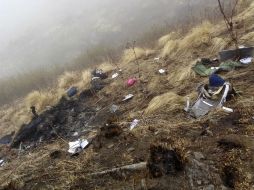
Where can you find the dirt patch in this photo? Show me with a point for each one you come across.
(229, 176)
(229, 144)
(164, 161)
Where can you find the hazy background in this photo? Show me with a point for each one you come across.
(39, 36)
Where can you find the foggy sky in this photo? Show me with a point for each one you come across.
(36, 33)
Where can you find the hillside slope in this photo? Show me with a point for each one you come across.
(213, 152)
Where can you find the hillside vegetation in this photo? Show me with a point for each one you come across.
(158, 103)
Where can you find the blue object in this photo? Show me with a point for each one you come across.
(216, 81)
(72, 91)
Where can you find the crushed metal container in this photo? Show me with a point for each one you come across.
(236, 53)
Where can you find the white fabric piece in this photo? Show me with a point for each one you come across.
(127, 97)
(246, 61)
(115, 75)
(1, 163)
(228, 110)
(223, 99)
(187, 108)
(75, 146)
(95, 78)
(134, 123)
(162, 71)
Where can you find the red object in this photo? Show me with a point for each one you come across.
(131, 82)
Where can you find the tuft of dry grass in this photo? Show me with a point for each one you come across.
(169, 99)
(42, 99)
(170, 48)
(199, 37)
(248, 38)
(106, 67)
(165, 39)
(85, 80)
(129, 56)
(181, 73)
(67, 79)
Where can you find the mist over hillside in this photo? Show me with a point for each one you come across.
(44, 33)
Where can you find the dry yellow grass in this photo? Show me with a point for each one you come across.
(248, 38)
(218, 44)
(85, 80)
(199, 37)
(129, 56)
(181, 73)
(170, 48)
(106, 67)
(169, 100)
(165, 39)
(66, 80)
(42, 99)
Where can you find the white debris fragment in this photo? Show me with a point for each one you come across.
(162, 71)
(247, 60)
(115, 75)
(156, 59)
(1, 163)
(75, 134)
(114, 108)
(128, 97)
(134, 123)
(228, 110)
(241, 46)
(215, 68)
(95, 78)
(187, 108)
(77, 146)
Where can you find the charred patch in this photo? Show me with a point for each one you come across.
(56, 154)
(164, 161)
(229, 176)
(229, 144)
(110, 130)
(231, 120)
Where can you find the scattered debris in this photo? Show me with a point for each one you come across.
(156, 59)
(115, 75)
(99, 73)
(211, 96)
(77, 146)
(236, 53)
(133, 167)
(164, 161)
(134, 123)
(128, 97)
(1, 163)
(75, 134)
(228, 110)
(7, 138)
(72, 91)
(97, 83)
(202, 69)
(187, 108)
(131, 82)
(247, 60)
(162, 71)
(114, 108)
